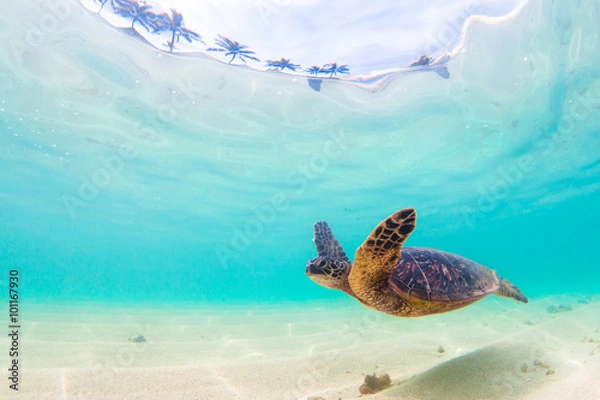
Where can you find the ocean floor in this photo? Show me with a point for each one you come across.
(494, 349)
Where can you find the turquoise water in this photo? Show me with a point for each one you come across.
(132, 175)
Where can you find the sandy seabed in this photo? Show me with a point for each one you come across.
(494, 349)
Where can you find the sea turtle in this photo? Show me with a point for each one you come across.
(405, 282)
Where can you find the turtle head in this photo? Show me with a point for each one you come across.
(329, 272)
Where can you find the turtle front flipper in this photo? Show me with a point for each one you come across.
(327, 245)
(376, 258)
(331, 266)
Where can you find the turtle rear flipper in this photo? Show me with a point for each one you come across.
(327, 245)
(507, 289)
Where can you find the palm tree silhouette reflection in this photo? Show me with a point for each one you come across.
(133, 9)
(233, 49)
(334, 69)
(174, 23)
(283, 64)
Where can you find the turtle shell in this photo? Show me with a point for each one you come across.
(438, 276)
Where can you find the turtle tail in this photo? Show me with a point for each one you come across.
(507, 289)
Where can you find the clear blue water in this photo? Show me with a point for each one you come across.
(231, 167)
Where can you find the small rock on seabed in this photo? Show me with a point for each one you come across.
(137, 339)
(560, 308)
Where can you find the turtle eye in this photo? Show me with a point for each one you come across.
(318, 266)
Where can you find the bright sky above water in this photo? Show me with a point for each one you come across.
(365, 35)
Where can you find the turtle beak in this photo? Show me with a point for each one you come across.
(317, 276)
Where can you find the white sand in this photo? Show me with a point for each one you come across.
(493, 349)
